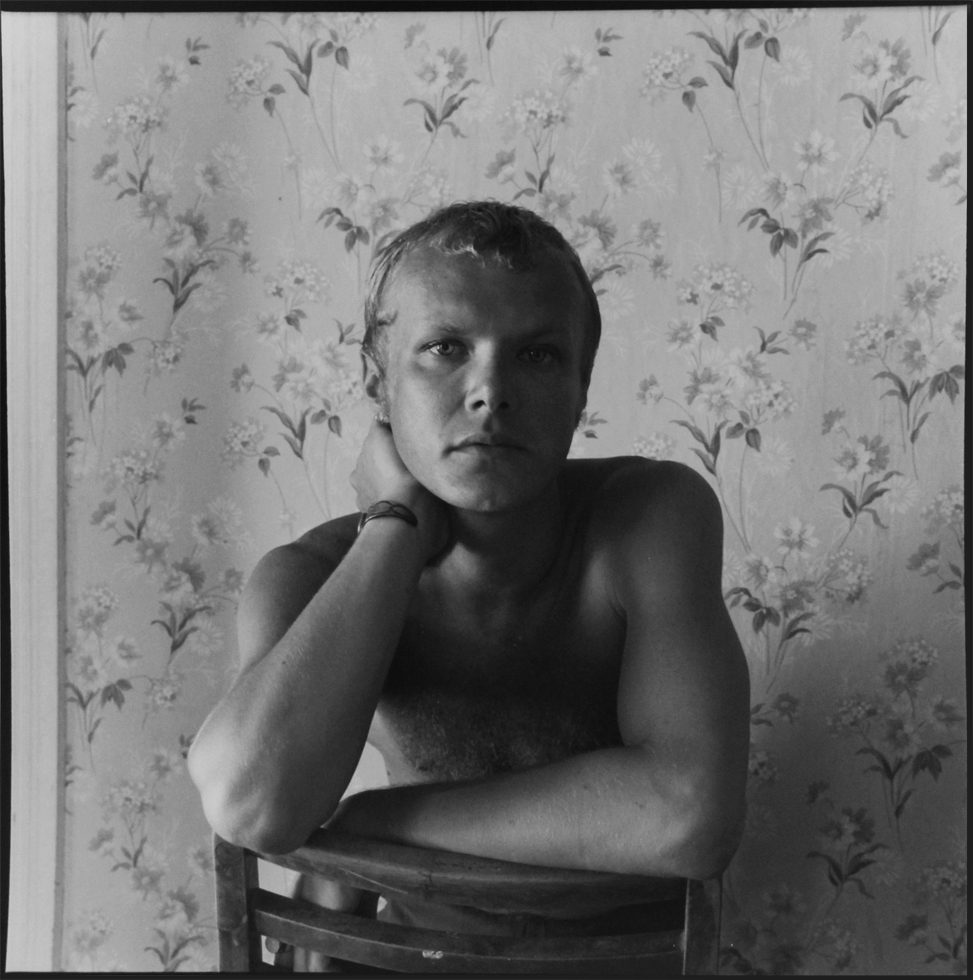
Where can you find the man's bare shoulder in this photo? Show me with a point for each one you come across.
(285, 580)
(309, 559)
(328, 542)
(651, 522)
(625, 492)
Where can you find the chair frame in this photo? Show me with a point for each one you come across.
(246, 913)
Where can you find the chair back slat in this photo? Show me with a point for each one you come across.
(413, 950)
(461, 879)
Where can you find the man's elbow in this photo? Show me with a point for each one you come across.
(244, 816)
(246, 829)
(709, 840)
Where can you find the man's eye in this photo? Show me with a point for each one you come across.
(539, 355)
(443, 348)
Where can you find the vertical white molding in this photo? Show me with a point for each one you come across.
(33, 144)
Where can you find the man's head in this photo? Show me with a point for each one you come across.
(482, 330)
(510, 237)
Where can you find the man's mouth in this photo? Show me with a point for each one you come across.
(488, 441)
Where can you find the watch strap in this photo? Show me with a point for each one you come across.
(387, 508)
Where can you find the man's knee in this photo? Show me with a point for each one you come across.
(328, 894)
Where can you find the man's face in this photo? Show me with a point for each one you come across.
(483, 378)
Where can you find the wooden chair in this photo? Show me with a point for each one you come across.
(681, 939)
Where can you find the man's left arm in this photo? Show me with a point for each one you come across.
(670, 800)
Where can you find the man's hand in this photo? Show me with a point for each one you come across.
(380, 474)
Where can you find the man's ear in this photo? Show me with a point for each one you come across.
(373, 381)
(581, 408)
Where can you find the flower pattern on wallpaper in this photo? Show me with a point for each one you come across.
(755, 194)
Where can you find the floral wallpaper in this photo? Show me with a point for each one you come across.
(771, 204)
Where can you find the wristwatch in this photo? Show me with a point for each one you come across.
(387, 508)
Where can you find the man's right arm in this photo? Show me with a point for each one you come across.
(275, 755)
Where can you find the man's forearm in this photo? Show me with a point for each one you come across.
(609, 810)
(274, 757)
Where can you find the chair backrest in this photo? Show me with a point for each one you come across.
(680, 938)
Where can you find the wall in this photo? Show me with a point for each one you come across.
(771, 204)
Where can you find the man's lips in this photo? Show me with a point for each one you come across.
(487, 441)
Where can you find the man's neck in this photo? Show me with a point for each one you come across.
(508, 553)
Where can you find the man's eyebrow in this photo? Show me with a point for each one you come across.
(544, 331)
(444, 325)
(458, 328)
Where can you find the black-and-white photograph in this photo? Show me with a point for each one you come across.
(486, 489)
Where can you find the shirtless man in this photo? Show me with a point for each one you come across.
(538, 647)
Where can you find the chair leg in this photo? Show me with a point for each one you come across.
(236, 876)
(704, 903)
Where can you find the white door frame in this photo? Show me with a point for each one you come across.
(33, 131)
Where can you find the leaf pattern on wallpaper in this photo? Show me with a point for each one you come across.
(768, 204)
(190, 252)
(941, 554)
(314, 381)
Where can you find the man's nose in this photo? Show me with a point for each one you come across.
(489, 387)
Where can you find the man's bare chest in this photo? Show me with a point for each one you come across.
(470, 694)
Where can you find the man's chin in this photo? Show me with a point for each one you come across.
(490, 495)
